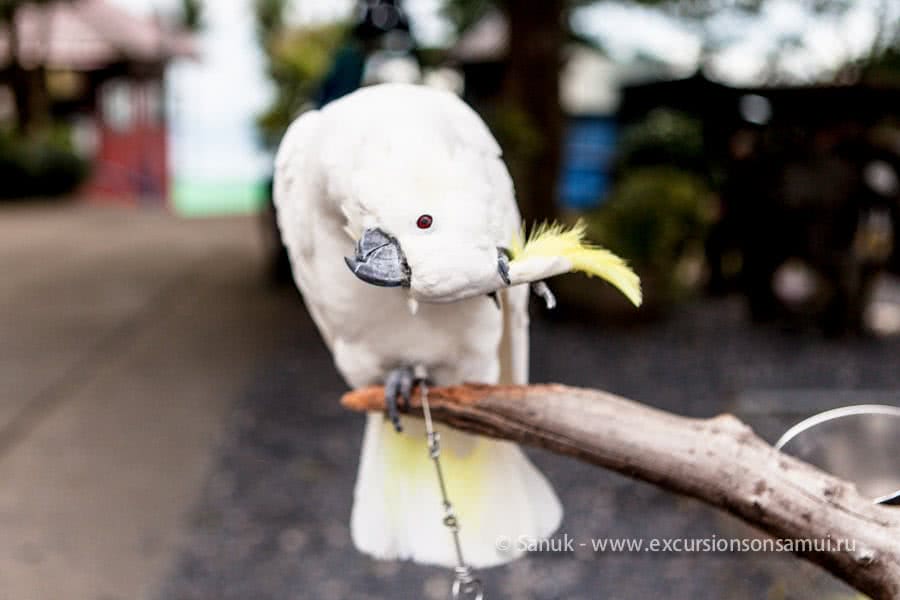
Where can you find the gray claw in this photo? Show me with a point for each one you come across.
(503, 264)
(493, 296)
(398, 385)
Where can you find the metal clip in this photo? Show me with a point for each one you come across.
(466, 585)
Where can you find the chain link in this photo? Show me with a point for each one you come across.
(465, 585)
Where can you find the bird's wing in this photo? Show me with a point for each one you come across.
(297, 198)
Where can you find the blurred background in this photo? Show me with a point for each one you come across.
(169, 426)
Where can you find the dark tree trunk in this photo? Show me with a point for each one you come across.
(28, 86)
(536, 34)
(30, 96)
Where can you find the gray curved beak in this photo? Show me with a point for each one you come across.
(379, 260)
(890, 499)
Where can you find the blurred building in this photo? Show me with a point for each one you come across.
(100, 71)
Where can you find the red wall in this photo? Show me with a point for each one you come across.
(131, 161)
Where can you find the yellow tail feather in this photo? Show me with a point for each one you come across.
(552, 240)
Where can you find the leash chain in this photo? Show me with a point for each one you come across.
(465, 584)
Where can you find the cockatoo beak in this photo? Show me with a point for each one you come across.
(379, 260)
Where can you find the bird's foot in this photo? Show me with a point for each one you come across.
(398, 386)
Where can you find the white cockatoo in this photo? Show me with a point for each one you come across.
(406, 186)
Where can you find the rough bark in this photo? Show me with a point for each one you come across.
(719, 461)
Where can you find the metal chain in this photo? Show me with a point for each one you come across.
(465, 584)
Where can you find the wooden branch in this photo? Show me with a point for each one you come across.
(719, 461)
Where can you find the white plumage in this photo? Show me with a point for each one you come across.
(380, 158)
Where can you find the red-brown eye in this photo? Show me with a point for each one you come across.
(424, 222)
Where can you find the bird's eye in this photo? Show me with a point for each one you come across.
(424, 222)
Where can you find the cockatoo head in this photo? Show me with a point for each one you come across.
(433, 228)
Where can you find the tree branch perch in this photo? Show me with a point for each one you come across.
(719, 461)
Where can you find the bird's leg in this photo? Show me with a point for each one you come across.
(398, 384)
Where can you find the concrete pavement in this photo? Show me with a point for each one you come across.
(126, 335)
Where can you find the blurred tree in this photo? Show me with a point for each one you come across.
(28, 85)
(881, 66)
(884, 69)
(658, 217)
(537, 33)
(701, 16)
(192, 14)
(40, 166)
(313, 65)
(269, 18)
(297, 58)
(465, 13)
(536, 38)
(664, 137)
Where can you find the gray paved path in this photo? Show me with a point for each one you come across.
(126, 337)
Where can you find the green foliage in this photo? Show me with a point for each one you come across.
(465, 13)
(192, 14)
(43, 165)
(884, 69)
(269, 16)
(655, 217)
(297, 60)
(664, 137)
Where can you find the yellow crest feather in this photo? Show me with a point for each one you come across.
(551, 240)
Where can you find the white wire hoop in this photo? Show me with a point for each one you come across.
(892, 498)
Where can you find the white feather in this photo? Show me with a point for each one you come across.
(380, 157)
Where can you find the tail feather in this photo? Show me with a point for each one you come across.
(496, 491)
